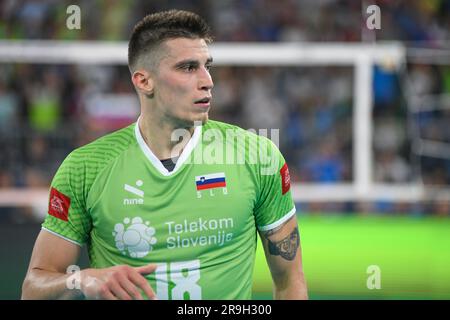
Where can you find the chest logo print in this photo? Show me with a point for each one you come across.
(134, 238)
(135, 191)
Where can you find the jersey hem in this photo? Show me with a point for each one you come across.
(278, 222)
(61, 236)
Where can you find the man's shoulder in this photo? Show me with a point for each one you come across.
(104, 148)
(228, 128)
(81, 168)
(230, 131)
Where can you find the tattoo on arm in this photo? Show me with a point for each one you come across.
(286, 248)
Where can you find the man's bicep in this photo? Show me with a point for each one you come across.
(53, 253)
(282, 247)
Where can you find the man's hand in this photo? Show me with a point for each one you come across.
(47, 275)
(117, 283)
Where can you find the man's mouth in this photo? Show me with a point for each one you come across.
(204, 102)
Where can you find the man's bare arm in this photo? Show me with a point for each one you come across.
(283, 255)
(46, 276)
(47, 279)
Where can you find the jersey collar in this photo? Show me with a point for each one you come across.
(155, 161)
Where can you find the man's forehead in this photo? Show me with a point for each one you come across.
(181, 48)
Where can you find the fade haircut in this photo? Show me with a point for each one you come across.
(149, 33)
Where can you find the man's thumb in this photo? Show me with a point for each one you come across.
(144, 270)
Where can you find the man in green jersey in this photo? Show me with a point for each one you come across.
(170, 206)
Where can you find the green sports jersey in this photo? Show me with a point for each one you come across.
(198, 222)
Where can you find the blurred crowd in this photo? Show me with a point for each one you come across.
(233, 20)
(48, 110)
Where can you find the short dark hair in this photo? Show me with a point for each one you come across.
(156, 28)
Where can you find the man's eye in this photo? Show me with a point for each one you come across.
(208, 67)
(189, 68)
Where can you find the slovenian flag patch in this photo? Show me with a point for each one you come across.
(210, 181)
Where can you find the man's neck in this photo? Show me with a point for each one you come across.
(158, 136)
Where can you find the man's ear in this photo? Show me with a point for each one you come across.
(143, 82)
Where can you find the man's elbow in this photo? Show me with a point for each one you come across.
(26, 288)
(29, 285)
(288, 285)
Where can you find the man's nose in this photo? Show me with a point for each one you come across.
(205, 81)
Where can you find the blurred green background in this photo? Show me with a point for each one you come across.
(412, 254)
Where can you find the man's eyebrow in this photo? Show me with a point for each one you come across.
(191, 62)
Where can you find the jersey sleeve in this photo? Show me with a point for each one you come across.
(274, 203)
(67, 216)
